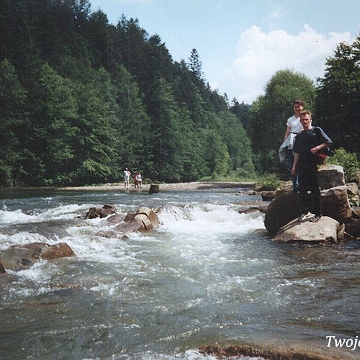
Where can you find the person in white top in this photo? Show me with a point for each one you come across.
(293, 127)
(127, 174)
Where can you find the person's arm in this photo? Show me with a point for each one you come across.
(317, 148)
(296, 160)
(321, 136)
(287, 132)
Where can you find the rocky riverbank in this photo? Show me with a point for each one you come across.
(184, 186)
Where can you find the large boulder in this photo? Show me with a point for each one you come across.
(23, 256)
(280, 211)
(352, 226)
(57, 251)
(335, 203)
(331, 176)
(144, 219)
(325, 230)
(150, 214)
(285, 208)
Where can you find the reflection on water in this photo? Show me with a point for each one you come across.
(208, 275)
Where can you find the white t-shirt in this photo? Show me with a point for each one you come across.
(295, 128)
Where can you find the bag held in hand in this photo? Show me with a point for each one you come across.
(321, 155)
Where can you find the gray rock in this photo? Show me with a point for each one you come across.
(325, 230)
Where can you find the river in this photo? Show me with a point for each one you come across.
(208, 275)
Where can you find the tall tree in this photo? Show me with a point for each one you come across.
(195, 65)
(242, 111)
(96, 144)
(162, 109)
(237, 143)
(269, 114)
(52, 133)
(339, 94)
(99, 38)
(217, 155)
(132, 127)
(12, 118)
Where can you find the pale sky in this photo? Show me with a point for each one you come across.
(242, 43)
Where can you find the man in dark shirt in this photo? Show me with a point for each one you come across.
(306, 145)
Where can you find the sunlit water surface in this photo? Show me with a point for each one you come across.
(208, 275)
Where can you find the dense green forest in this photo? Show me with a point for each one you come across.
(81, 99)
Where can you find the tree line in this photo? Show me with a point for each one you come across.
(81, 99)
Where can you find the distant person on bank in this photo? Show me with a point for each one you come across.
(306, 145)
(138, 179)
(127, 175)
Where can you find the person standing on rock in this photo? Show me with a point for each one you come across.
(127, 174)
(305, 148)
(293, 127)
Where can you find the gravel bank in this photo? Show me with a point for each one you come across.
(188, 186)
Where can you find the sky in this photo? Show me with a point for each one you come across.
(243, 43)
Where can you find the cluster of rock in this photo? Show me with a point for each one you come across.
(144, 219)
(23, 256)
(339, 220)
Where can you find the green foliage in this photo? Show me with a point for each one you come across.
(339, 94)
(242, 112)
(82, 99)
(237, 143)
(12, 120)
(268, 182)
(349, 162)
(269, 113)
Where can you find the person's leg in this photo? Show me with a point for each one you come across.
(294, 178)
(304, 198)
(315, 191)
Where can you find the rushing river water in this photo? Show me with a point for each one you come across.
(208, 275)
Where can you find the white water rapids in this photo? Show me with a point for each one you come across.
(208, 275)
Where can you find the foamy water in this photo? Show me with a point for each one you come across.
(208, 275)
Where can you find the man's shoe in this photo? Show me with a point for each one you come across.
(315, 219)
(303, 217)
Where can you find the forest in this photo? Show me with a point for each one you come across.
(81, 99)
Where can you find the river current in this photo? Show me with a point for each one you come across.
(208, 275)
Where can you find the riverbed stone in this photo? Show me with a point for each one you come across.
(57, 251)
(103, 212)
(325, 230)
(283, 209)
(23, 256)
(144, 219)
(150, 214)
(330, 176)
(154, 189)
(115, 219)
